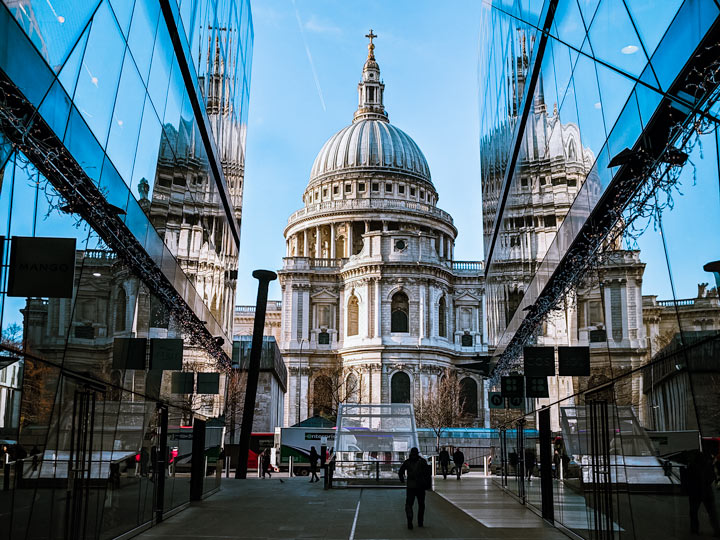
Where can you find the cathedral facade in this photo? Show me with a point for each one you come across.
(374, 307)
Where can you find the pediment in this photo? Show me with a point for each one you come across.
(324, 295)
(466, 297)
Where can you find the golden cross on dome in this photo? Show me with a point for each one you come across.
(371, 45)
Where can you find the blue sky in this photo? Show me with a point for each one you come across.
(304, 89)
(428, 59)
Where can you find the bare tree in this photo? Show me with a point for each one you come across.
(236, 381)
(442, 406)
(334, 385)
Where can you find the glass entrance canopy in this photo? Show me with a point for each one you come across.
(372, 441)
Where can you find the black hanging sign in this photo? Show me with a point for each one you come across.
(129, 353)
(537, 387)
(495, 400)
(166, 354)
(539, 361)
(512, 386)
(208, 383)
(41, 267)
(183, 382)
(574, 361)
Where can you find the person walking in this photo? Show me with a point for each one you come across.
(314, 458)
(458, 459)
(529, 463)
(698, 482)
(418, 480)
(444, 458)
(265, 462)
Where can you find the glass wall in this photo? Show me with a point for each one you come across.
(120, 131)
(605, 238)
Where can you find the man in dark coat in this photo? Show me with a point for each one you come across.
(444, 458)
(698, 483)
(458, 459)
(418, 480)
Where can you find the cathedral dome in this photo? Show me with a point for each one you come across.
(370, 143)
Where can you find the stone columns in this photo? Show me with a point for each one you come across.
(305, 252)
(422, 320)
(318, 243)
(378, 309)
(332, 240)
(441, 251)
(351, 240)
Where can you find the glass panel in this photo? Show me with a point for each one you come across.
(98, 80)
(614, 40)
(142, 34)
(652, 20)
(126, 120)
(54, 26)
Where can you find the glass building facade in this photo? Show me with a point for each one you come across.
(599, 162)
(122, 130)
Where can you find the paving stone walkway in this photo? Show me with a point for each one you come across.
(295, 508)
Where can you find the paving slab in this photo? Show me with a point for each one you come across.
(295, 508)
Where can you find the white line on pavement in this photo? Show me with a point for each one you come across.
(357, 511)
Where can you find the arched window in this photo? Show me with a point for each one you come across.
(120, 310)
(353, 316)
(322, 396)
(572, 154)
(442, 317)
(468, 396)
(352, 389)
(399, 313)
(400, 388)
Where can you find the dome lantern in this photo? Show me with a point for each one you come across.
(371, 88)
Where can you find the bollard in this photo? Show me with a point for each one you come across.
(227, 466)
(290, 468)
(485, 460)
(377, 471)
(264, 277)
(433, 461)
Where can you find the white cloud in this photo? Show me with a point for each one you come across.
(319, 26)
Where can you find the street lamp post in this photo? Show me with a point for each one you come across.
(297, 389)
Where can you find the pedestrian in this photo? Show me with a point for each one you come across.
(698, 480)
(314, 458)
(556, 464)
(418, 480)
(444, 458)
(459, 460)
(34, 451)
(529, 462)
(265, 463)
